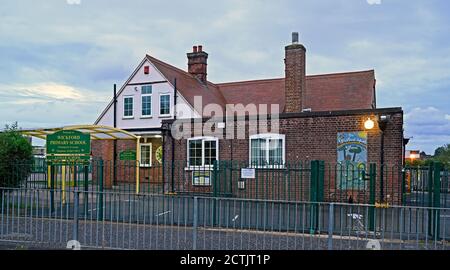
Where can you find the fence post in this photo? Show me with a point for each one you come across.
(75, 216)
(86, 188)
(430, 198)
(320, 180)
(372, 187)
(100, 194)
(195, 225)
(52, 187)
(313, 194)
(403, 185)
(437, 197)
(215, 193)
(172, 175)
(330, 226)
(214, 178)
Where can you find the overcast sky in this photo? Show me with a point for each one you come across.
(60, 58)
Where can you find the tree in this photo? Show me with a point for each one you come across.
(16, 156)
(356, 150)
(441, 150)
(442, 155)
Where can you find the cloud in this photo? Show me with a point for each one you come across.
(59, 64)
(49, 104)
(49, 91)
(429, 127)
(73, 2)
(374, 2)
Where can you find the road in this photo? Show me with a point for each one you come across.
(54, 234)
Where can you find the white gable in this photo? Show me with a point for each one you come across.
(133, 89)
(153, 76)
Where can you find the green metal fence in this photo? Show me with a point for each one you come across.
(314, 181)
(306, 181)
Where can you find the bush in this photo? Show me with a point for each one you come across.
(16, 156)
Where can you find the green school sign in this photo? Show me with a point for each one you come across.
(127, 155)
(69, 145)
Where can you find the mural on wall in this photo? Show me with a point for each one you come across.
(352, 160)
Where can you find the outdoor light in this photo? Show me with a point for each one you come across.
(369, 124)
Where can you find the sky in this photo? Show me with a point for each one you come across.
(59, 59)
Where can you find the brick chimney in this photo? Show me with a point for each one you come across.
(197, 63)
(295, 75)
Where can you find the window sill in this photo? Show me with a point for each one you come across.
(146, 117)
(199, 168)
(145, 166)
(280, 167)
(165, 115)
(127, 117)
(199, 185)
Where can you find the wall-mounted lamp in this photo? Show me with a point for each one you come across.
(384, 119)
(369, 123)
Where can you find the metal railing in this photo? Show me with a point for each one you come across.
(314, 181)
(111, 220)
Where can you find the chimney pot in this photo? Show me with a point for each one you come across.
(197, 63)
(294, 37)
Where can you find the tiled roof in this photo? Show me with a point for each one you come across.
(327, 92)
(188, 85)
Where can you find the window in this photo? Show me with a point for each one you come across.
(146, 105)
(128, 107)
(164, 104)
(146, 89)
(267, 150)
(201, 178)
(146, 155)
(146, 100)
(202, 151)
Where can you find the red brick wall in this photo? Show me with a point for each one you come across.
(125, 170)
(315, 138)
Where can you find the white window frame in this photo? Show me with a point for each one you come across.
(140, 157)
(170, 107)
(132, 111)
(151, 104)
(267, 137)
(203, 166)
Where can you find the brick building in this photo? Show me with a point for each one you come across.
(328, 117)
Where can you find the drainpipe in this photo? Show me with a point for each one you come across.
(381, 167)
(115, 141)
(173, 139)
(382, 123)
